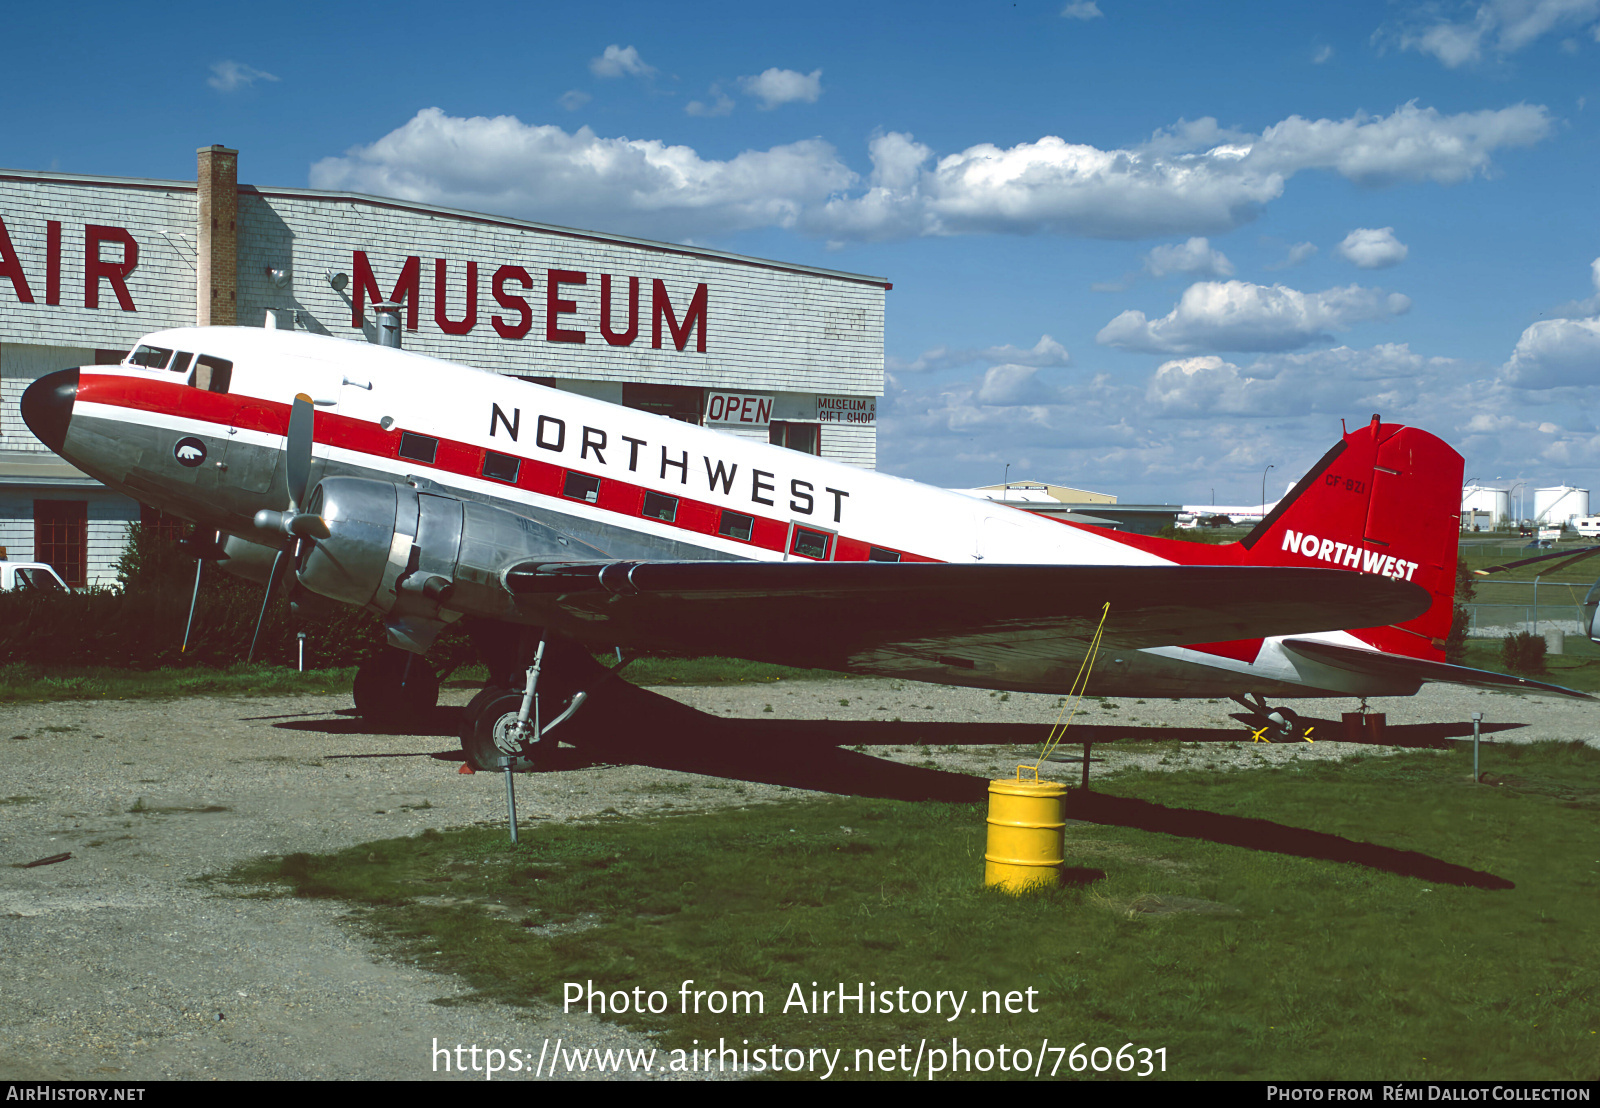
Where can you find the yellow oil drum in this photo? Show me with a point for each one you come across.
(1027, 834)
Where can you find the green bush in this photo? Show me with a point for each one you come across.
(139, 624)
(1523, 652)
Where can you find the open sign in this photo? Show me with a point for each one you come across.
(738, 409)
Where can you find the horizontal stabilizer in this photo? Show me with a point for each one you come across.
(833, 614)
(1372, 663)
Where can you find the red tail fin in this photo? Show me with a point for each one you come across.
(1387, 500)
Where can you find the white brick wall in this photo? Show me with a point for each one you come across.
(769, 328)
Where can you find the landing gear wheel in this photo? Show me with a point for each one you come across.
(491, 734)
(386, 692)
(1285, 722)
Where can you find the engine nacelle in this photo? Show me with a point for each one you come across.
(421, 558)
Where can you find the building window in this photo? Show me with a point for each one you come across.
(674, 401)
(502, 467)
(418, 448)
(581, 486)
(61, 538)
(664, 508)
(810, 544)
(804, 437)
(736, 525)
(159, 523)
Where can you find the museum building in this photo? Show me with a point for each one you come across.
(783, 353)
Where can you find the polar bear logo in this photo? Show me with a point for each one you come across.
(190, 452)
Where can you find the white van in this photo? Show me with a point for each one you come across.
(30, 575)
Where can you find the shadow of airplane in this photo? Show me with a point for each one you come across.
(627, 724)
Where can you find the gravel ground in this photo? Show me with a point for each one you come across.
(120, 964)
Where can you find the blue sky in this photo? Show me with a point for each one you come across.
(1145, 248)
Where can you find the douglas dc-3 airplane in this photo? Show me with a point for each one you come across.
(429, 492)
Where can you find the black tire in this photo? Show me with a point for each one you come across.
(386, 693)
(1290, 727)
(497, 711)
(469, 715)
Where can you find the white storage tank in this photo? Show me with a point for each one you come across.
(1495, 503)
(1562, 504)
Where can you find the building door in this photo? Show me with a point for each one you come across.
(61, 538)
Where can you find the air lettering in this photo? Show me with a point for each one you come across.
(95, 270)
(593, 438)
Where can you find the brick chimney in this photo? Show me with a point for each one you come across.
(217, 235)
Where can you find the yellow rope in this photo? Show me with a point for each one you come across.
(1080, 684)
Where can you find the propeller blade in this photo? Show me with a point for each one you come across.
(272, 587)
(194, 600)
(1573, 559)
(297, 466)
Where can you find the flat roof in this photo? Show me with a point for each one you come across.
(452, 213)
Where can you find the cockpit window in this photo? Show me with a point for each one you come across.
(211, 374)
(151, 357)
(180, 361)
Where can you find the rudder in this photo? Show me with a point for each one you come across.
(1385, 499)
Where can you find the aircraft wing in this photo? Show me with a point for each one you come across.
(1373, 663)
(835, 615)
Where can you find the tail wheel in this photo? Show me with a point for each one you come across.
(396, 686)
(490, 734)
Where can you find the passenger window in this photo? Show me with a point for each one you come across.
(734, 525)
(501, 467)
(810, 544)
(180, 361)
(580, 486)
(664, 508)
(879, 554)
(151, 357)
(418, 448)
(211, 374)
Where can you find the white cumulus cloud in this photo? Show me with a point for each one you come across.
(783, 86)
(1556, 352)
(1082, 9)
(1499, 26)
(620, 61)
(229, 76)
(573, 99)
(1195, 258)
(1373, 248)
(638, 186)
(1193, 179)
(1238, 315)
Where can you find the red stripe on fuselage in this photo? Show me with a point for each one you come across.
(534, 475)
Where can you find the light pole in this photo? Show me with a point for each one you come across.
(1465, 485)
(1007, 494)
(1264, 492)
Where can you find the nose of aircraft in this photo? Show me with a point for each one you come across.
(47, 406)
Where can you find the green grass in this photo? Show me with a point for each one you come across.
(27, 683)
(1294, 969)
(24, 683)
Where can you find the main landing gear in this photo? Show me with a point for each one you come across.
(523, 723)
(1280, 723)
(396, 686)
